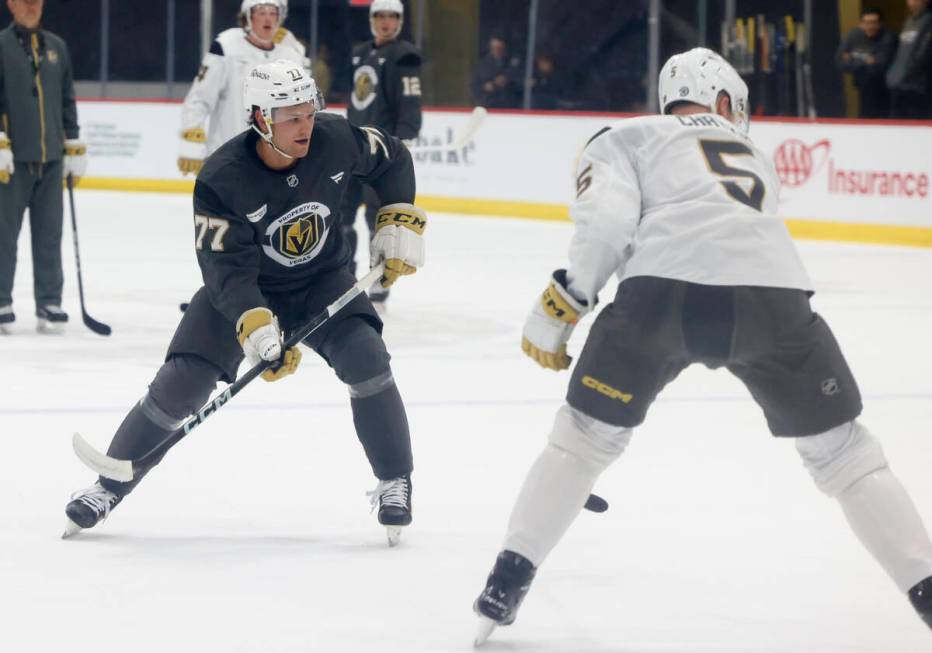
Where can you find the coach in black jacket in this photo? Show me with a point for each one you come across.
(39, 146)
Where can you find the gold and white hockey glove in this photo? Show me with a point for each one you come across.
(550, 324)
(398, 240)
(75, 161)
(6, 159)
(261, 339)
(192, 151)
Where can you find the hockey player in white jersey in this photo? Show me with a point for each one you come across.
(213, 110)
(682, 208)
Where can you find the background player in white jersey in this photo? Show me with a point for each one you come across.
(682, 207)
(217, 93)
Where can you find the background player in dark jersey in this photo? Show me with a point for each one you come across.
(272, 256)
(387, 94)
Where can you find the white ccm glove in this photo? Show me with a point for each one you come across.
(398, 241)
(261, 339)
(75, 161)
(6, 159)
(550, 324)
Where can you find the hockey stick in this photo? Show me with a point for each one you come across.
(126, 470)
(92, 324)
(462, 138)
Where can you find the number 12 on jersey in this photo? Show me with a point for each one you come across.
(714, 152)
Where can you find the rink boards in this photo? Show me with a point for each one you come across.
(841, 179)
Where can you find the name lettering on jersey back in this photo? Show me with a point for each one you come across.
(698, 120)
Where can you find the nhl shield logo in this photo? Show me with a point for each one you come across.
(830, 387)
(292, 180)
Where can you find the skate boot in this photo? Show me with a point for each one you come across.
(393, 499)
(52, 319)
(504, 591)
(921, 598)
(89, 507)
(7, 318)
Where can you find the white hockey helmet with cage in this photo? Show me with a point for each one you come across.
(386, 6)
(698, 76)
(278, 84)
(247, 6)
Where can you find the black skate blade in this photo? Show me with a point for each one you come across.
(486, 626)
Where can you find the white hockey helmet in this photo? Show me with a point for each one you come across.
(278, 84)
(698, 76)
(247, 6)
(387, 6)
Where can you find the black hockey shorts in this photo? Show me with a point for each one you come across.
(769, 338)
(206, 333)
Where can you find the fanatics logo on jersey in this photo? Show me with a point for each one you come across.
(258, 214)
(299, 235)
(52, 56)
(337, 178)
(292, 180)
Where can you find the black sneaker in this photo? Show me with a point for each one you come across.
(921, 598)
(51, 319)
(88, 507)
(505, 588)
(7, 317)
(393, 499)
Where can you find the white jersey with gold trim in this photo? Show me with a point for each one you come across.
(217, 92)
(681, 197)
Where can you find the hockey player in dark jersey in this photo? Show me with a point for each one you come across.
(387, 94)
(272, 256)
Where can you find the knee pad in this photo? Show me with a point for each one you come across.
(182, 386)
(357, 354)
(841, 456)
(596, 442)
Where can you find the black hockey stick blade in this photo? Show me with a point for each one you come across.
(126, 470)
(595, 503)
(97, 327)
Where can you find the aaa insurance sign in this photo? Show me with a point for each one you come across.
(862, 173)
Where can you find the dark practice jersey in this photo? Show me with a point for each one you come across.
(258, 229)
(387, 88)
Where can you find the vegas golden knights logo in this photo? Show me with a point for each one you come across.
(363, 88)
(365, 81)
(300, 236)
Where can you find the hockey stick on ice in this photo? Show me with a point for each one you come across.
(462, 138)
(92, 324)
(126, 470)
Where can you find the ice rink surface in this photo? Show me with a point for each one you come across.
(254, 535)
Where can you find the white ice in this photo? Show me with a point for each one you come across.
(254, 534)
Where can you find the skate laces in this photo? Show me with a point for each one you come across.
(96, 497)
(390, 493)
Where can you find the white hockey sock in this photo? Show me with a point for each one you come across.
(553, 494)
(885, 520)
(560, 480)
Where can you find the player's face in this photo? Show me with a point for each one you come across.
(386, 24)
(292, 127)
(27, 13)
(870, 25)
(264, 21)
